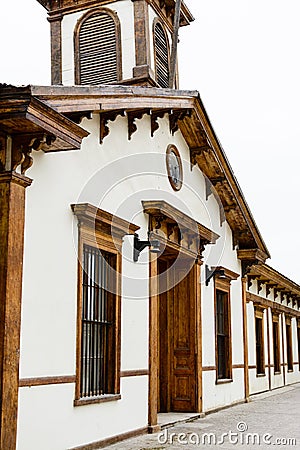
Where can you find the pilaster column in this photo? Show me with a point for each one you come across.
(142, 36)
(12, 214)
(56, 49)
(245, 339)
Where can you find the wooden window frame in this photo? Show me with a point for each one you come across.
(289, 344)
(260, 358)
(223, 286)
(155, 23)
(79, 24)
(276, 348)
(100, 229)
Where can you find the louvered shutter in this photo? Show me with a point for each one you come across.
(98, 56)
(162, 56)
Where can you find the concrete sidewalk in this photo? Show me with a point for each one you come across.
(269, 420)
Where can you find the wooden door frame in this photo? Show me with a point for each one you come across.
(153, 341)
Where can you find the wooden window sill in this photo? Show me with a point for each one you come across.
(277, 373)
(99, 399)
(260, 375)
(290, 370)
(224, 380)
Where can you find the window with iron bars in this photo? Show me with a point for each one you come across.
(98, 323)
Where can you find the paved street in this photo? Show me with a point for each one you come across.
(269, 420)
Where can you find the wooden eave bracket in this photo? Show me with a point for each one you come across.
(106, 222)
(105, 117)
(282, 286)
(249, 258)
(28, 124)
(134, 114)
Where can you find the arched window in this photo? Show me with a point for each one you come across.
(98, 48)
(161, 52)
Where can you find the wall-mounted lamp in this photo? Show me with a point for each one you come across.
(139, 246)
(209, 273)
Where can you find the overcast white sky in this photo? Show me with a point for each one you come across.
(243, 58)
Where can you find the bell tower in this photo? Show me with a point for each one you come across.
(129, 42)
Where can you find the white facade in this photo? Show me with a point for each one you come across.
(116, 177)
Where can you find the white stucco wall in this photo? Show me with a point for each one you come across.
(115, 176)
(48, 420)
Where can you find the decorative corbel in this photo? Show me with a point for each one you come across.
(246, 266)
(250, 279)
(77, 117)
(175, 116)
(22, 146)
(268, 289)
(132, 116)
(202, 245)
(104, 118)
(172, 229)
(260, 284)
(158, 219)
(154, 116)
(277, 294)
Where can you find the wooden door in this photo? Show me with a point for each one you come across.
(177, 353)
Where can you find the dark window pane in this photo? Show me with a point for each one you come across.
(98, 320)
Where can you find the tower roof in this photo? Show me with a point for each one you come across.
(167, 7)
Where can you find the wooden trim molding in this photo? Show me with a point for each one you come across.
(46, 381)
(208, 368)
(266, 274)
(112, 440)
(234, 366)
(99, 399)
(164, 8)
(184, 234)
(275, 307)
(134, 373)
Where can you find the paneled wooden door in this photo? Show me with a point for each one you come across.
(177, 369)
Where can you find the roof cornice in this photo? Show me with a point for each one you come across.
(188, 114)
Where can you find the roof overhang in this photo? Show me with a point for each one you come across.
(27, 124)
(187, 113)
